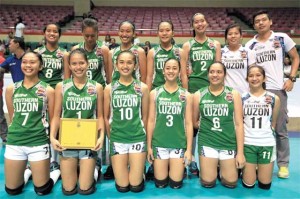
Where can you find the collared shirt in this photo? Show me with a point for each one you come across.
(13, 64)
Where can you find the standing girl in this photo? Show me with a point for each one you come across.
(200, 51)
(170, 134)
(28, 103)
(235, 59)
(218, 115)
(55, 58)
(97, 52)
(127, 34)
(125, 113)
(86, 91)
(158, 55)
(260, 142)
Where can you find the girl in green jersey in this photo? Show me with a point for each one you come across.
(80, 90)
(28, 103)
(219, 116)
(170, 128)
(125, 113)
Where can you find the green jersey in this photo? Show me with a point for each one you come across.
(79, 103)
(29, 124)
(169, 131)
(116, 52)
(96, 69)
(53, 65)
(160, 57)
(201, 56)
(126, 125)
(217, 128)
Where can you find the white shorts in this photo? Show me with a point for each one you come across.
(167, 153)
(34, 153)
(121, 148)
(216, 153)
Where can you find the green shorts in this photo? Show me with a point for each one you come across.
(259, 154)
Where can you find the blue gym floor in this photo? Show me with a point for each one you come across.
(281, 188)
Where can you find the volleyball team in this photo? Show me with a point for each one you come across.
(153, 108)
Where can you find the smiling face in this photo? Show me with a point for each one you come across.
(199, 24)
(126, 33)
(78, 64)
(262, 23)
(171, 70)
(51, 33)
(125, 64)
(31, 64)
(234, 36)
(165, 32)
(216, 74)
(255, 77)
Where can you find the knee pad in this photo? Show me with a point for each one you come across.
(161, 183)
(15, 191)
(89, 191)
(247, 185)
(69, 193)
(208, 184)
(45, 189)
(264, 186)
(228, 184)
(137, 188)
(175, 184)
(122, 189)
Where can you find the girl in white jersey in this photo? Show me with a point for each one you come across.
(235, 59)
(27, 138)
(261, 109)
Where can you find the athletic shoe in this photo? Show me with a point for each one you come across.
(150, 173)
(109, 174)
(54, 166)
(283, 172)
(193, 169)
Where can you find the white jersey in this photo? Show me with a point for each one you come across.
(258, 119)
(19, 28)
(270, 55)
(236, 64)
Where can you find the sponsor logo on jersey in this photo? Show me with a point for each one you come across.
(73, 94)
(229, 97)
(41, 91)
(211, 45)
(137, 88)
(120, 92)
(208, 101)
(244, 54)
(268, 99)
(59, 54)
(182, 96)
(20, 95)
(99, 52)
(162, 56)
(91, 90)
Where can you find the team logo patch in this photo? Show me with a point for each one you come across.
(99, 52)
(137, 88)
(229, 97)
(276, 43)
(268, 99)
(41, 92)
(182, 96)
(177, 53)
(244, 54)
(59, 54)
(91, 90)
(211, 45)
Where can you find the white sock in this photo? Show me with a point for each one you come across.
(54, 175)
(96, 173)
(27, 174)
